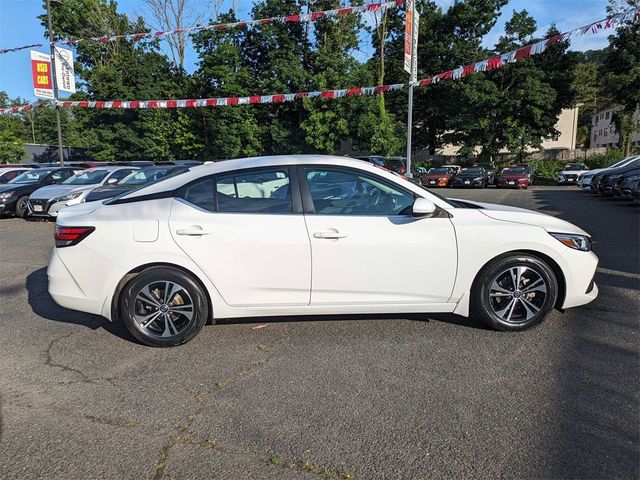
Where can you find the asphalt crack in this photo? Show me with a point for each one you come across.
(179, 434)
(84, 378)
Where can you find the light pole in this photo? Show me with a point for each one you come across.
(55, 83)
(413, 77)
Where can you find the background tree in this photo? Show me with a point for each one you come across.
(12, 133)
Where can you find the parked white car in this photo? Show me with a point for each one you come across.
(47, 201)
(584, 180)
(299, 235)
(571, 172)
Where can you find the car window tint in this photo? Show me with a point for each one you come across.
(201, 193)
(344, 192)
(120, 174)
(60, 175)
(262, 191)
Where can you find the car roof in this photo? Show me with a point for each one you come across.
(194, 173)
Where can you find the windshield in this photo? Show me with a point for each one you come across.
(32, 176)
(514, 170)
(573, 166)
(88, 177)
(439, 170)
(147, 175)
(475, 170)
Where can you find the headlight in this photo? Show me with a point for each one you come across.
(632, 178)
(577, 242)
(478, 179)
(66, 198)
(6, 195)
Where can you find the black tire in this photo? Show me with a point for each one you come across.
(487, 304)
(185, 292)
(21, 206)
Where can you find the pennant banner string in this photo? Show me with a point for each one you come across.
(455, 74)
(294, 18)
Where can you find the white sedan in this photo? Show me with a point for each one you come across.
(299, 235)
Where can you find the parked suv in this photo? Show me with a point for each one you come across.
(571, 172)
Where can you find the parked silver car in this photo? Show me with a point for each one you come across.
(47, 201)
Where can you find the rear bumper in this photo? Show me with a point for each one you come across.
(85, 291)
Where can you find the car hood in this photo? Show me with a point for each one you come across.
(507, 213)
(53, 191)
(18, 187)
(574, 172)
(435, 176)
(468, 176)
(514, 176)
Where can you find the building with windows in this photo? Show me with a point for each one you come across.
(603, 130)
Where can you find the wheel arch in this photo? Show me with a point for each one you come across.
(131, 274)
(557, 271)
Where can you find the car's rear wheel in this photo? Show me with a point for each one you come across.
(164, 307)
(21, 206)
(514, 292)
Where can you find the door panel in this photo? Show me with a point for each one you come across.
(253, 259)
(367, 248)
(382, 259)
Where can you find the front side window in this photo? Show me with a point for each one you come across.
(348, 192)
(261, 191)
(120, 174)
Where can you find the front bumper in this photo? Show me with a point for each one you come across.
(567, 179)
(460, 183)
(44, 209)
(579, 272)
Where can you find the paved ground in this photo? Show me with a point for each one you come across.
(417, 397)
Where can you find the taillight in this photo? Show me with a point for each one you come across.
(68, 236)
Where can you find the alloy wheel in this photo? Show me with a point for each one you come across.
(163, 309)
(517, 294)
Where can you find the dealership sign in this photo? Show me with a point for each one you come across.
(65, 76)
(41, 72)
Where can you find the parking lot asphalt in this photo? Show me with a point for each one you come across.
(419, 396)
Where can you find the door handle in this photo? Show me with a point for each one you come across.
(329, 235)
(193, 231)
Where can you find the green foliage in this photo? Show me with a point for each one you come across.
(12, 139)
(546, 171)
(510, 108)
(602, 160)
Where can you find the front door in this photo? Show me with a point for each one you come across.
(241, 229)
(366, 246)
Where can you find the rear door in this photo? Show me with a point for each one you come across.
(367, 248)
(246, 231)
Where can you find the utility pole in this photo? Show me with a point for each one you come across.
(413, 77)
(55, 83)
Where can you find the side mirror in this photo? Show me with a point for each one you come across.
(423, 207)
(112, 181)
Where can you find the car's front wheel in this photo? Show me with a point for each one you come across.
(163, 307)
(514, 292)
(21, 206)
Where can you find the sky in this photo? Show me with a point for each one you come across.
(19, 26)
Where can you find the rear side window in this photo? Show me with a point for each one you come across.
(120, 174)
(263, 191)
(201, 194)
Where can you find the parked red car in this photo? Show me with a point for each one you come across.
(437, 177)
(513, 177)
